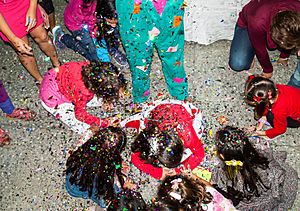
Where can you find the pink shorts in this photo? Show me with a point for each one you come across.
(14, 13)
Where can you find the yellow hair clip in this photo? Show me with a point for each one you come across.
(234, 163)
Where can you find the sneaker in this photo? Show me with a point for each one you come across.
(4, 138)
(120, 59)
(57, 34)
(21, 113)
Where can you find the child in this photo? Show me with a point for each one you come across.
(171, 136)
(253, 179)
(252, 34)
(11, 112)
(109, 30)
(94, 170)
(19, 18)
(285, 32)
(189, 193)
(278, 105)
(68, 90)
(145, 24)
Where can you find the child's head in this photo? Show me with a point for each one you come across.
(181, 192)
(239, 156)
(258, 93)
(95, 164)
(159, 147)
(285, 30)
(128, 200)
(103, 79)
(106, 9)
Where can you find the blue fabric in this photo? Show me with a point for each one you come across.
(295, 78)
(7, 106)
(241, 50)
(101, 50)
(81, 42)
(75, 191)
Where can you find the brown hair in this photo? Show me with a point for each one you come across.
(285, 30)
(258, 91)
(103, 79)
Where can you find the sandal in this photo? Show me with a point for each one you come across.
(22, 113)
(4, 138)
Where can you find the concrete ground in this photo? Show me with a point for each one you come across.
(32, 166)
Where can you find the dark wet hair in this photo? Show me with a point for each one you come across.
(285, 30)
(257, 89)
(190, 193)
(234, 145)
(159, 147)
(129, 200)
(96, 162)
(106, 8)
(103, 79)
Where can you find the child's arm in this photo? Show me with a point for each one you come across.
(155, 172)
(82, 115)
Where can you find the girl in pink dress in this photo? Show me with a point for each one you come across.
(18, 19)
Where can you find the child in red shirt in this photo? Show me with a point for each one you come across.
(278, 105)
(170, 140)
(68, 90)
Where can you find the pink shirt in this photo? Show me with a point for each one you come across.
(77, 15)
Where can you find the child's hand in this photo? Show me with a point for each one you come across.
(21, 46)
(114, 120)
(251, 129)
(282, 61)
(108, 106)
(30, 18)
(112, 22)
(167, 172)
(130, 185)
(267, 75)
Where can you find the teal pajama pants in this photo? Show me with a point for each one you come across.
(142, 28)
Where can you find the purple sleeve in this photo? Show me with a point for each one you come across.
(3, 93)
(258, 38)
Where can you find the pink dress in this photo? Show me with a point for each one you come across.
(14, 13)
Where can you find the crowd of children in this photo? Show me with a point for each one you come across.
(168, 144)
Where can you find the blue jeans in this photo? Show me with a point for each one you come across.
(75, 191)
(241, 50)
(295, 78)
(81, 42)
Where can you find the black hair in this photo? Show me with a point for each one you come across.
(129, 200)
(258, 91)
(233, 145)
(103, 79)
(181, 192)
(96, 162)
(159, 147)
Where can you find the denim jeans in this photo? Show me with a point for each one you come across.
(81, 42)
(241, 50)
(295, 78)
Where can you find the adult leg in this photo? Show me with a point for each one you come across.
(29, 62)
(291, 123)
(40, 36)
(82, 43)
(295, 78)
(241, 50)
(170, 44)
(134, 28)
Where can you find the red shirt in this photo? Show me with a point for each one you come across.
(174, 116)
(257, 16)
(70, 84)
(286, 105)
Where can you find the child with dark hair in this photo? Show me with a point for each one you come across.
(253, 179)
(279, 105)
(170, 138)
(188, 193)
(94, 170)
(252, 35)
(285, 32)
(68, 90)
(11, 112)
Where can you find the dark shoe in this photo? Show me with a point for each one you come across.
(57, 34)
(120, 58)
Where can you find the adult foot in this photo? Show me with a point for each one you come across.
(22, 113)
